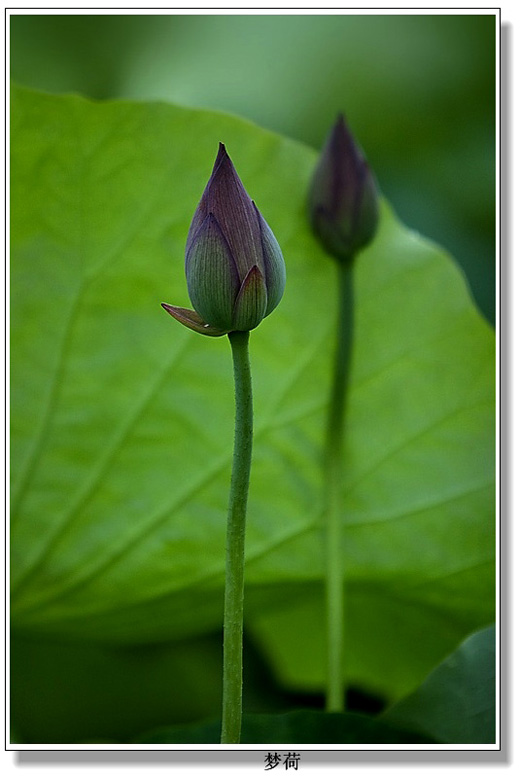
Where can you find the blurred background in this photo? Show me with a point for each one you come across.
(419, 93)
(417, 90)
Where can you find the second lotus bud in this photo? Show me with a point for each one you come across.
(343, 197)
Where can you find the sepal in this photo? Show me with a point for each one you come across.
(190, 319)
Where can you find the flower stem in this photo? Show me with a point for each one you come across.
(334, 454)
(236, 529)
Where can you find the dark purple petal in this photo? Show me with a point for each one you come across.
(226, 198)
(329, 232)
(233, 208)
(367, 208)
(273, 264)
(211, 274)
(202, 210)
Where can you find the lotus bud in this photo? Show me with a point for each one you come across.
(343, 197)
(234, 266)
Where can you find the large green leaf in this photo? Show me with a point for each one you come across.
(122, 419)
(457, 701)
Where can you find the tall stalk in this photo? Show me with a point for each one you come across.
(334, 470)
(235, 273)
(343, 213)
(236, 528)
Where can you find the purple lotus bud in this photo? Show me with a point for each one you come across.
(343, 197)
(234, 267)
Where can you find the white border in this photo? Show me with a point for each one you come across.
(290, 9)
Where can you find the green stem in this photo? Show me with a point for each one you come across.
(236, 529)
(334, 454)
